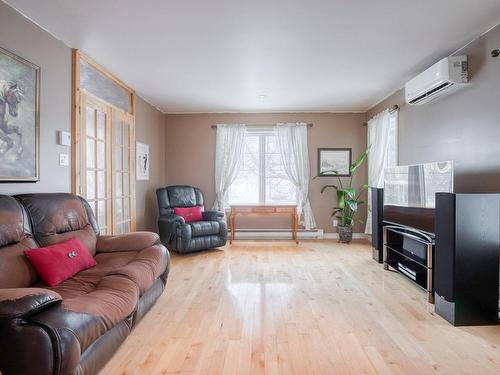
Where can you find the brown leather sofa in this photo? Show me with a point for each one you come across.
(75, 327)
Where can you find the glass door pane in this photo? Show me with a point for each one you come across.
(94, 163)
(123, 177)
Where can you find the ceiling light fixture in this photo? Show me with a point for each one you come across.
(262, 97)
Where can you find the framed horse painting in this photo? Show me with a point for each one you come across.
(19, 119)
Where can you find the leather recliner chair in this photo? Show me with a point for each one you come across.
(184, 237)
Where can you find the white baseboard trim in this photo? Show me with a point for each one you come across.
(355, 236)
(277, 234)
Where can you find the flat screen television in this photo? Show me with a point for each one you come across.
(410, 193)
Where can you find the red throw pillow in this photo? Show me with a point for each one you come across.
(189, 213)
(57, 263)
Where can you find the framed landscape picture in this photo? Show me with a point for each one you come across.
(19, 119)
(142, 162)
(334, 159)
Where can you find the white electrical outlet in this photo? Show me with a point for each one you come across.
(335, 223)
(63, 160)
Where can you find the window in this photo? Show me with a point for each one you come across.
(261, 179)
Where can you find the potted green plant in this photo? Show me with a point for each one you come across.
(348, 199)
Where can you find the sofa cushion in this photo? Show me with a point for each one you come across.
(204, 228)
(15, 237)
(57, 263)
(86, 281)
(144, 268)
(134, 241)
(59, 217)
(113, 299)
(91, 311)
(13, 221)
(141, 267)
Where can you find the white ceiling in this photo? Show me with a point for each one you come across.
(304, 55)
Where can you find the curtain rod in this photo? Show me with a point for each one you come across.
(309, 125)
(391, 110)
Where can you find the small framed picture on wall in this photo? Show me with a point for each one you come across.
(334, 162)
(142, 161)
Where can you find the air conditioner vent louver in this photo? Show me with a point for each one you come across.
(430, 92)
(442, 78)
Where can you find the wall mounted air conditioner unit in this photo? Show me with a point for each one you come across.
(442, 78)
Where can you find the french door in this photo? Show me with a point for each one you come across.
(123, 172)
(106, 164)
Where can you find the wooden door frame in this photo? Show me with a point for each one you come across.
(76, 169)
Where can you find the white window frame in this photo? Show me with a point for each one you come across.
(262, 167)
(262, 133)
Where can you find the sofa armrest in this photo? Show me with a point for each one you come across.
(212, 215)
(127, 242)
(24, 302)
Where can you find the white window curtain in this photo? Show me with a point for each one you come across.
(382, 140)
(292, 144)
(228, 156)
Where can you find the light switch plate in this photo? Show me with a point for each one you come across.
(63, 160)
(64, 138)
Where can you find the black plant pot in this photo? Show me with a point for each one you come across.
(345, 234)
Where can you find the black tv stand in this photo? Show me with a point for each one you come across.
(410, 252)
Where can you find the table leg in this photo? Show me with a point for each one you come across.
(231, 227)
(295, 227)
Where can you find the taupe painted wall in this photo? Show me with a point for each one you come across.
(150, 129)
(463, 127)
(190, 144)
(22, 37)
(27, 40)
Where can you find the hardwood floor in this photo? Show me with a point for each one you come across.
(316, 308)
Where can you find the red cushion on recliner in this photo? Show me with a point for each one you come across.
(189, 213)
(59, 262)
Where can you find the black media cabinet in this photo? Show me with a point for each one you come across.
(410, 252)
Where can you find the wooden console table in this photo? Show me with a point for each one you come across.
(252, 210)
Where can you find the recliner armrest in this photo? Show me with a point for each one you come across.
(167, 224)
(24, 302)
(212, 215)
(127, 242)
(171, 218)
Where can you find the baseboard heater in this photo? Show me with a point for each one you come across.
(286, 234)
(276, 234)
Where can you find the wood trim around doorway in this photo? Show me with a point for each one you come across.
(76, 127)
